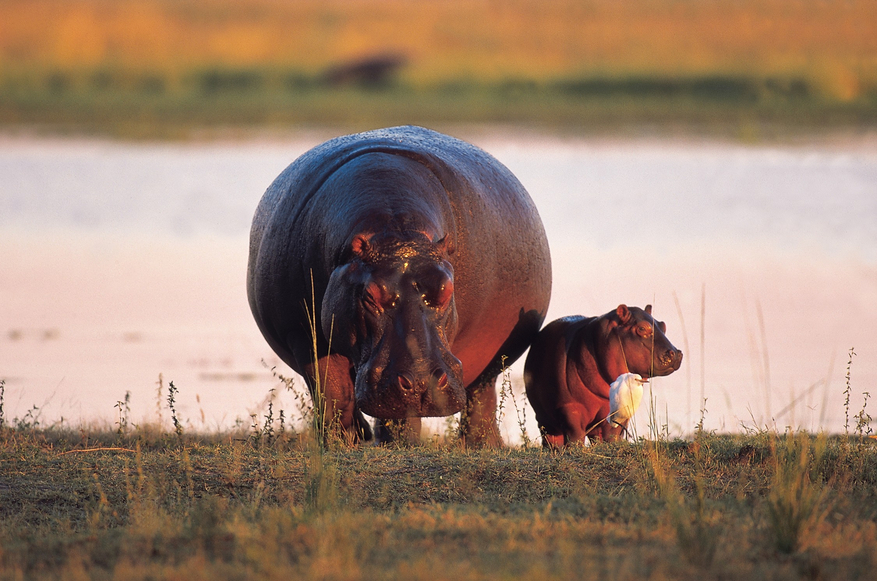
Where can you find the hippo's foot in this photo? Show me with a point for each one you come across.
(343, 421)
(337, 432)
(606, 432)
(400, 432)
(478, 427)
(362, 430)
(552, 441)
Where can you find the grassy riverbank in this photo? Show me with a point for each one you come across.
(270, 505)
(186, 113)
(156, 68)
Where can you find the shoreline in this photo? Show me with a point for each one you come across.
(839, 137)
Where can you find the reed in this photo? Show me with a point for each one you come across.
(796, 498)
(124, 407)
(507, 392)
(171, 404)
(697, 536)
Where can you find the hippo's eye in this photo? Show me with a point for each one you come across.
(644, 330)
(435, 292)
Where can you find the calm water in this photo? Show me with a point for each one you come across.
(122, 261)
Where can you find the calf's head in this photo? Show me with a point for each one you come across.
(389, 308)
(642, 343)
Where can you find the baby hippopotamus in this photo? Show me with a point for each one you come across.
(574, 360)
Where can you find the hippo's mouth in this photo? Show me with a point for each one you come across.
(388, 395)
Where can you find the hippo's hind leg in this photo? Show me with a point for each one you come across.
(341, 417)
(478, 425)
(552, 441)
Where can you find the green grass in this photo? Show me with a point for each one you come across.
(235, 506)
(151, 107)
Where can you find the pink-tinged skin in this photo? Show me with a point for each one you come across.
(573, 361)
(422, 257)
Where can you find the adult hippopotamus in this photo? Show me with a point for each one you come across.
(573, 361)
(419, 257)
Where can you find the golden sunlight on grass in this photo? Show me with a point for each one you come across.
(451, 39)
(163, 67)
(141, 504)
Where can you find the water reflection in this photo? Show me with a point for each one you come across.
(134, 257)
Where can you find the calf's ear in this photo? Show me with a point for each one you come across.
(623, 314)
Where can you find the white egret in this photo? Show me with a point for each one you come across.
(625, 395)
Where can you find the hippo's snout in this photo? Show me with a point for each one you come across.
(670, 360)
(389, 395)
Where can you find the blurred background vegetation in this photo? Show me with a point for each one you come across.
(170, 67)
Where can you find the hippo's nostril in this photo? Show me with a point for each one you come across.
(441, 378)
(405, 382)
(672, 359)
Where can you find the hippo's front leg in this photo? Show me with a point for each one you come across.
(336, 397)
(405, 431)
(478, 425)
(603, 430)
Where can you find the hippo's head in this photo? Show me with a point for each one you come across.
(389, 308)
(644, 347)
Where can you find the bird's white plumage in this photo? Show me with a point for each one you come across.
(625, 395)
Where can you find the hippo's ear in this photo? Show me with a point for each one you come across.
(359, 246)
(623, 313)
(648, 309)
(444, 246)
